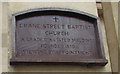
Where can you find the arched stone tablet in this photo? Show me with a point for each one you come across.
(56, 36)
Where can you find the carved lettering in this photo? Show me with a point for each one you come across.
(57, 33)
(55, 26)
(53, 52)
(58, 39)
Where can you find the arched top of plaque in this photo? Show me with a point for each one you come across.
(65, 10)
(58, 11)
(56, 36)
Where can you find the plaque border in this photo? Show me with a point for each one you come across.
(94, 62)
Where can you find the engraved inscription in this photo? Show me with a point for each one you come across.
(55, 26)
(56, 37)
(53, 52)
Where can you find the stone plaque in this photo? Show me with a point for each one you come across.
(56, 36)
